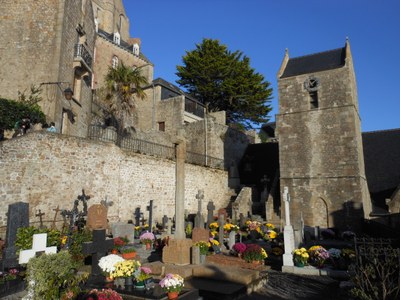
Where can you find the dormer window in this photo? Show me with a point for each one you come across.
(114, 62)
(117, 38)
(136, 49)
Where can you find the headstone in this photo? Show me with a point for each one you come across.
(199, 220)
(164, 222)
(288, 233)
(195, 255)
(97, 217)
(210, 213)
(17, 216)
(200, 234)
(242, 220)
(151, 221)
(40, 215)
(123, 230)
(231, 239)
(221, 223)
(38, 246)
(177, 252)
(137, 215)
(97, 248)
(235, 212)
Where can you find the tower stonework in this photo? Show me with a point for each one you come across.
(320, 147)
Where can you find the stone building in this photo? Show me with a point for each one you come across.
(320, 145)
(50, 44)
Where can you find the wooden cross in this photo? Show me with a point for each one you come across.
(53, 224)
(98, 248)
(40, 214)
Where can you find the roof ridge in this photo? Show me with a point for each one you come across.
(307, 55)
(382, 130)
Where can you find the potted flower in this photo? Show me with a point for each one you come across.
(141, 274)
(125, 269)
(104, 294)
(147, 238)
(318, 255)
(254, 254)
(172, 284)
(118, 243)
(300, 257)
(107, 264)
(203, 247)
(239, 248)
(128, 251)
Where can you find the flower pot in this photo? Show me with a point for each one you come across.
(299, 264)
(114, 251)
(129, 255)
(202, 258)
(139, 285)
(148, 246)
(173, 295)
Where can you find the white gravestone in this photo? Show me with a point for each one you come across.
(288, 233)
(38, 245)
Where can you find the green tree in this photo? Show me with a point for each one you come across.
(224, 80)
(122, 83)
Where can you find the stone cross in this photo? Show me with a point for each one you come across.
(98, 248)
(288, 233)
(137, 215)
(57, 210)
(199, 197)
(38, 246)
(17, 216)
(210, 213)
(180, 149)
(286, 198)
(221, 223)
(235, 212)
(40, 215)
(150, 209)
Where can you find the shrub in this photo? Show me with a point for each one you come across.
(11, 111)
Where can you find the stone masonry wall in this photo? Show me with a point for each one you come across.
(47, 170)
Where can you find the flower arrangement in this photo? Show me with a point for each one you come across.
(254, 252)
(228, 227)
(120, 242)
(213, 226)
(334, 253)
(214, 242)
(172, 283)
(8, 276)
(239, 248)
(107, 263)
(269, 226)
(318, 255)
(127, 249)
(104, 294)
(300, 256)
(125, 268)
(203, 246)
(142, 273)
(147, 238)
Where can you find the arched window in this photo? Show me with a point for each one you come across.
(117, 38)
(136, 49)
(114, 62)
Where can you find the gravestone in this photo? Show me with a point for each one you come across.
(231, 239)
(97, 217)
(151, 221)
(164, 222)
(39, 245)
(17, 216)
(199, 220)
(195, 255)
(137, 216)
(123, 230)
(210, 213)
(288, 233)
(97, 248)
(235, 212)
(221, 223)
(200, 234)
(242, 220)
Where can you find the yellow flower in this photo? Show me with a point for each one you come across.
(272, 234)
(263, 253)
(214, 242)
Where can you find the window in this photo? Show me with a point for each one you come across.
(117, 38)
(161, 126)
(136, 49)
(313, 100)
(114, 62)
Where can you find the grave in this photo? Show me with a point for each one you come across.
(288, 235)
(210, 213)
(200, 234)
(97, 217)
(17, 216)
(39, 246)
(123, 230)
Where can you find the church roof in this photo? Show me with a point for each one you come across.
(322, 61)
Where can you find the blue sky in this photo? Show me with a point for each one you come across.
(263, 29)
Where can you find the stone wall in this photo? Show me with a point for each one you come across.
(47, 170)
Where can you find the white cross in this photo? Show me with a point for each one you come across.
(38, 245)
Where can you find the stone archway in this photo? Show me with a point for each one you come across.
(320, 212)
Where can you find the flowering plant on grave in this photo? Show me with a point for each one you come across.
(120, 241)
(318, 255)
(104, 294)
(142, 273)
(147, 238)
(228, 227)
(172, 283)
(253, 225)
(254, 252)
(107, 263)
(203, 246)
(239, 248)
(213, 226)
(334, 253)
(300, 256)
(125, 268)
(8, 276)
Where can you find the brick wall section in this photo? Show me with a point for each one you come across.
(47, 170)
(320, 150)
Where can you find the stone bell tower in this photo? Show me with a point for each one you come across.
(320, 146)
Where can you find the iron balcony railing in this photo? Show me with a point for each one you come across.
(149, 148)
(194, 107)
(83, 53)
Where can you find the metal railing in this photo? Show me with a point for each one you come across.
(194, 107)
(109, 134)
(82, 52)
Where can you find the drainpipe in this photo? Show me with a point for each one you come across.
(153, 113)
(206, 142)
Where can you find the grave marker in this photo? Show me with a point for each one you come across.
(288, 233)
(123, 230)
(98, 248)
(53, 224)
(150, 209)
(199, 220)
(164, 222)
(40, 215)
(200, 234)
(39, 245)
(17, 216)
(137, 216)
(97, 217)
(231, 239)
(210, 213)
(221, 223)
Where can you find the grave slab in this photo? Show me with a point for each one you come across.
(177, 252)
(38, 245)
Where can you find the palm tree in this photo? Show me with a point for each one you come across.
(122, 83)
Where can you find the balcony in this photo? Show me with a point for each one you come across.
(82, 57)
(194, 107)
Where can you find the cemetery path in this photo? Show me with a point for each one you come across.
(285, 286)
